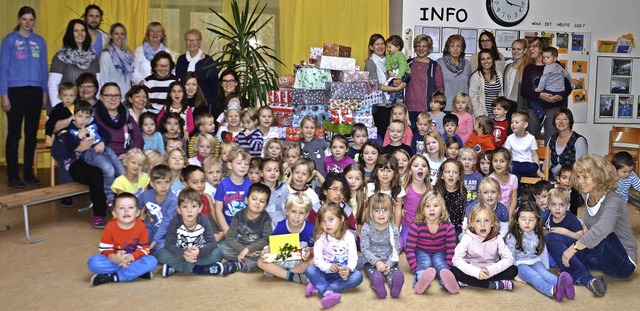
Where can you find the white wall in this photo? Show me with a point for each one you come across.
(605, 20)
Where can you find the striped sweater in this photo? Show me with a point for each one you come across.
(158, 90)
(420, 238)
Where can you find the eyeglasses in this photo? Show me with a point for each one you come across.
(485, 41)
(192, 40)
(336, 190)
(86, 86)
(229, 81)
(380, 210)
(112, 96)
(163, 66)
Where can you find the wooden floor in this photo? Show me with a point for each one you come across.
(53, 275)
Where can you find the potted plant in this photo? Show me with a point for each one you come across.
(243, 53)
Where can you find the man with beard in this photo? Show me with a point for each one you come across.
(93, 18)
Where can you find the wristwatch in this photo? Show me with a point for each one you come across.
(575, 247)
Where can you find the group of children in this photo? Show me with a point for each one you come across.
(451, 205)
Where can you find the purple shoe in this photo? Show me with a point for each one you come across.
(98, 222)
(569, 289)
(425, 279)
(311, 290)
(397, 280)
(377, 282)
(330, 299)
(449, 281)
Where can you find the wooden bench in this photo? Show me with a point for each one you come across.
(38, 196)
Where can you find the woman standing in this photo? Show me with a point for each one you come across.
(114, 118)
(117, 64)
(154, 42)
(23, 87)
(195, 60)
(550, 103)
(229, 83)
(485, 85)
(194, 94)
(377, 71)
(455, 68)
(159, 80)
(75, 57)
(428, 78)
(566, 145)
(513, 75)
(488, 41)
(609, 244)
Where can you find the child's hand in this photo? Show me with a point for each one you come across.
(152, 245)
(82, 133)
(305, 253)
(540, 174)
(127, 259)
(219, 236)
(381, 266)
(186, 135)
(48, 141)
(335, 267)
(484, 274)
(243, 254)
(344, 272)
(188, 257)
(99, 148)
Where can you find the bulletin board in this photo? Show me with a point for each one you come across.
(617, 90)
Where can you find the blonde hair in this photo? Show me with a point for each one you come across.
(441, 147)
(601, 171)
(405, 120)
(559, 194)
(152, 158)
(276, 141)
(236, 152)
(421, 217)
(211, 161)
(377, 200)
(194, 32)
(427, 179)
(489, 181)
(481, 207)
(182, 153)
(304, 162)
(155, 25)
(207, 139)
(135, 152)
(462, 96)
(469, 150)
(298, 199)
(526, 58)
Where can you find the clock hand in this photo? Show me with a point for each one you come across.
(513, 4)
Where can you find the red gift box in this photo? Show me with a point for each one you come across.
(342, 116)
(293, 134)
(279, 96)
(332, 49)
(286, 82)
(283, 117)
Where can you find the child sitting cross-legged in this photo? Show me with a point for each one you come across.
(250, 229)
(124, 246)
(297, 208)
(190, 243)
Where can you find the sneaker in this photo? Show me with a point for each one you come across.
(397, 280)
(32, 181)
(98, 222)
(330, 299)
(449, 281)
(232, 266)
(569, 289)
(310, 290)
(377, 283)
(597, 286)
(99, 279)
(507, 284)
(462, 284)
(424, 280)
(66, 202)
(16, 183)
(167, 271)
(147, 276)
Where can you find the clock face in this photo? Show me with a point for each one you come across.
(508, 13)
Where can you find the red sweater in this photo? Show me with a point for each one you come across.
(134, 241)
(481, 143)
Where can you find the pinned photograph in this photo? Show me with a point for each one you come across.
(563, 63)
(620, 85)
(578, 83)
(621, 67)
(579, 96)
(606, 106)
(577, 42)
(625, 106)
(562, 42)
(579, 66)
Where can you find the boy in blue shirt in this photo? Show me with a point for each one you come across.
(624, 164)
(541, 197)
(232, 190)
(158, 205)
(450, 123)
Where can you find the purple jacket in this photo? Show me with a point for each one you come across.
(125, 133)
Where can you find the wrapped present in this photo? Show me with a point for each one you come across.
(342, 116)
(279, 96)
(355, 90)
(286, 81)
(366, 120)
(293, 134)
(332, 49)
(373, 132)
(353, 76)
(317, 111)
(339, 103)
(336, 63)
(280, 131)
(283, 116)
(308, 97)
(320, 131)
(314, 52)
(312, 79)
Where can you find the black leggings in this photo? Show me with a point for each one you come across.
(508, 274)
(91, 176)
(26, 104)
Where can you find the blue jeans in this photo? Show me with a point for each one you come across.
(100, 264)
(107, 161)
(427, 260)
(609, 257)
(523, 169)
(538, 276)
(549, 126)
(332, 282)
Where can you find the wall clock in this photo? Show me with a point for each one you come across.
(507, 13)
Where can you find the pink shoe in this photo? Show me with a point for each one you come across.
(310, 291)
(424, 280)
(330, 299)
(98, 222)
(449, 281)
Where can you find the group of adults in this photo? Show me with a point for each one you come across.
(119, 83)
(609, 244)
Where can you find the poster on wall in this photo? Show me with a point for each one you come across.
(625, 106)
(615, 79)
(504, 38)
(471, 38)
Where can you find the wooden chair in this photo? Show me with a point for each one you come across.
(627, 139)
(544, 154)
(41, 147)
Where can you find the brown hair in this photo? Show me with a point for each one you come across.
(421, 217)
(517, 233)
(334, 208)
(495, 227)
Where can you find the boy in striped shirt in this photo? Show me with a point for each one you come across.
(624, 164)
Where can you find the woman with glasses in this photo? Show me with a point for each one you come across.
(74, 58)
(550, 103)
(455, 68)
(116, 65)
(488, 41)
(428, 78)
(228, 84)
(158, 82)
(375, 65)
(196, 60)
(112, 116)
(154, 42)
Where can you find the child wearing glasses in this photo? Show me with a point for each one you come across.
(335, 189)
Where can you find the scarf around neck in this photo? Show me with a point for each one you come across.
(193, 60)
(121, 59)
(149, 53)
(80, 58)
(380, 67)
(456, 69)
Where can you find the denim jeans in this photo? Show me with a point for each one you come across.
(427, 260)
(100, 264)
(549, 127)
(179, 264)
(538, 276)
(523, 169)
(332, 282)
(609, 257)
(107, 161)
(404, 232)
